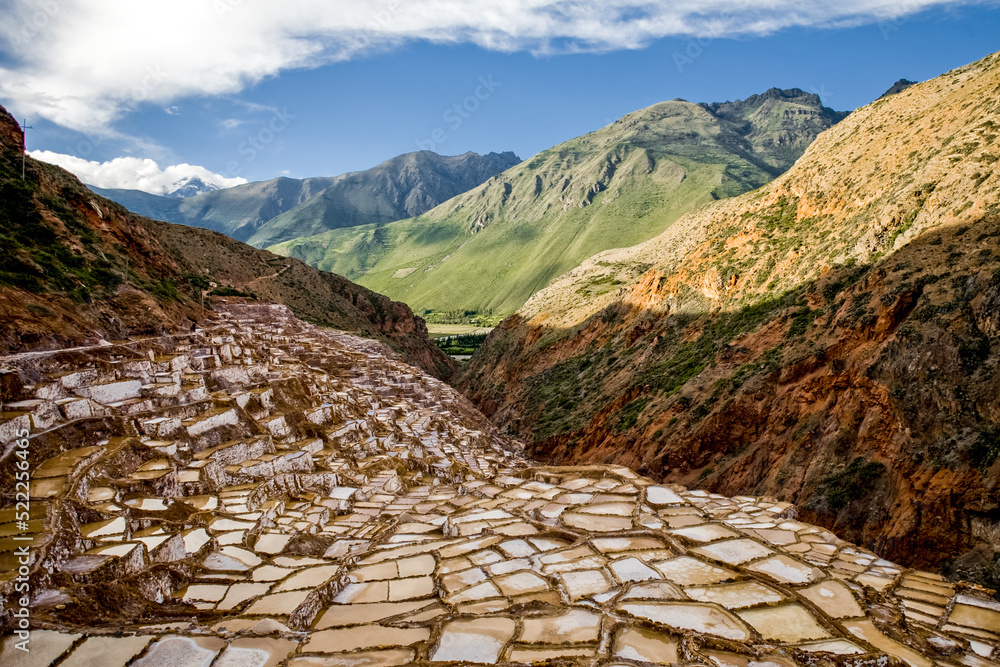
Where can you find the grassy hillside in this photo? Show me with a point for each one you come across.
(489, 250)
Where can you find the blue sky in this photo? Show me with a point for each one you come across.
(307, 115)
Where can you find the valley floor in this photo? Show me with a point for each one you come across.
(266, 492)
(445, 330)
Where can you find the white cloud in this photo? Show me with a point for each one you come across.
(231, 123)
(172, 110)
(135, 173)
(85, 63)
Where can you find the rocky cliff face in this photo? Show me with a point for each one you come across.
(79, 268)
(830, 339)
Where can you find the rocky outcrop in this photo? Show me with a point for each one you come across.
(830, 339)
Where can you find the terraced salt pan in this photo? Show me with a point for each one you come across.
(787, 570)
(786, 623)
(632, 569)
(867, 631)
(659, 496)
(343, 640)
(418, 538)
(475, 641)
(723, 659)
(708, 532)
(834, 598)
(585, 582)
(520, 583)
(835, 646)
(310, 577)
(105, 651)
(574, 626)
(701, 618)
(734, 552)
(354, 614)
(596, 522)
(688, 571)
(645, 646)
(737, 595)
(189, 652)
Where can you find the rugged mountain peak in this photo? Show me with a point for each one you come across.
(509, 158)
(898, 87)
(773, 94)
(191, 187)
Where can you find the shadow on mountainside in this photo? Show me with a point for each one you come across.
(868, 397)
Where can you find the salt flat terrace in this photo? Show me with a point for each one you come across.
(264, 492)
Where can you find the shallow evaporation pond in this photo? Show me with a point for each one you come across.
(476, 641)
(734, 552)
(596, 522)
(787, 623)
(787, 570)
(699, 617)
(688, 571)
(708, 532)
(737, 595)
(575, 626)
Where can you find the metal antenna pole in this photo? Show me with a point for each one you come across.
(24, 142)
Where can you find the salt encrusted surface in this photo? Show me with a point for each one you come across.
(265, 492)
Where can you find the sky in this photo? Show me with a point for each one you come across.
(145, 94)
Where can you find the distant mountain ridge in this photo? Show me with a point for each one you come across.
(236, 212)
(489, 249)
(402, 187)
(379, 194)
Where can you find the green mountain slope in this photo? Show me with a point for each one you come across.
(488, 250)
(405, 186)
(237, 212)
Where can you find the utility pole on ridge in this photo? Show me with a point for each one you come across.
(24, 142)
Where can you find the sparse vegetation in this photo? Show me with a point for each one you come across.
(629, 415)
(986, 448)
(854, 482)
(229, 290)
